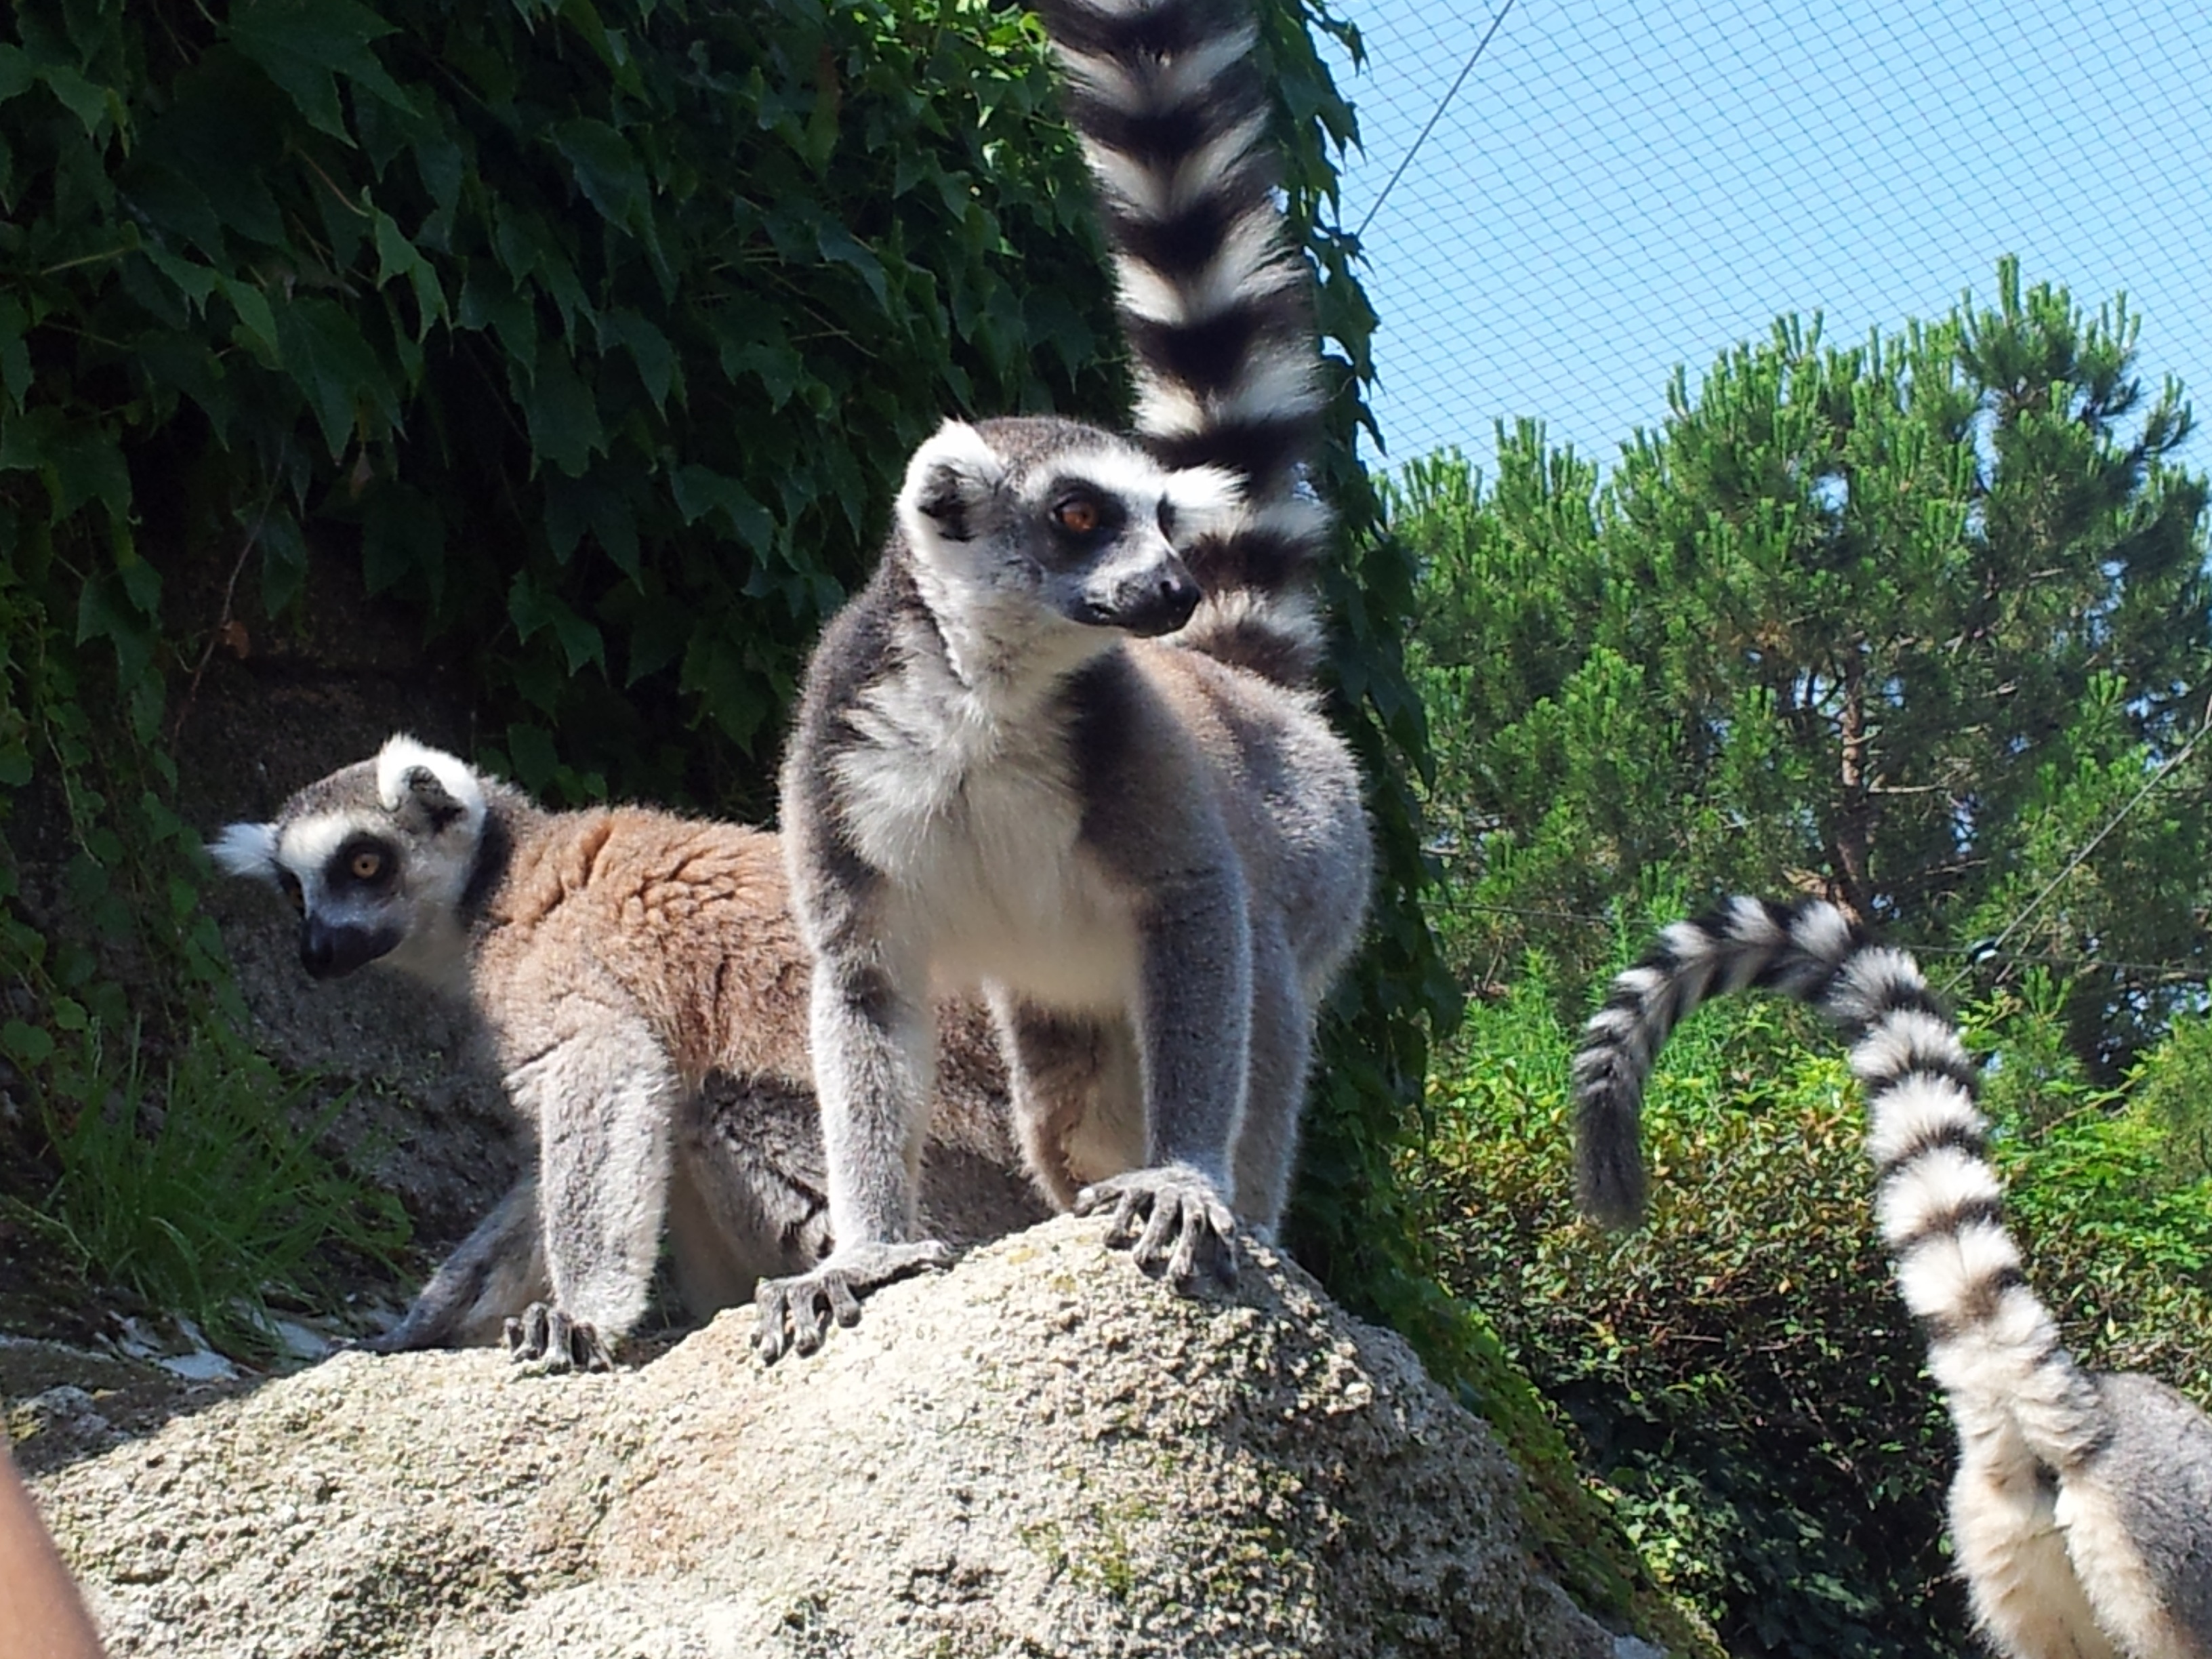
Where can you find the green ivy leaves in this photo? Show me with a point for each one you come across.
(630, 310)
(305, 45)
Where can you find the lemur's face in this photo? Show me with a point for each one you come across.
(1082, 524)
(374, 858)
(343, 876)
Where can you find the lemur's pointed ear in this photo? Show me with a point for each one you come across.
(246, 849)
(443, 786)
(420, 783)
(948, 478)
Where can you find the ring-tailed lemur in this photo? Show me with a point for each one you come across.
(2082, 1510)
(618, 957)
(1064, 743)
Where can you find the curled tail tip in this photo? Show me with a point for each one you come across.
(1609, 1189)
(1609, 1179)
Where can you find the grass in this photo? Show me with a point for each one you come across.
(199, 1185)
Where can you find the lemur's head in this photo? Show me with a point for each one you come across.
(374, 858)
(1038, 513)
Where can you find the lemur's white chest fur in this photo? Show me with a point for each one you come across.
(964, 798)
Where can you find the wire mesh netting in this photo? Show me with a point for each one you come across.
(1613, 191)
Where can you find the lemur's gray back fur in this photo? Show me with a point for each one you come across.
(2083, 1506)
(1173, 112)
(1061, 745)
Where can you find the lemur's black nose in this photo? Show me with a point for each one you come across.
(1159, 603)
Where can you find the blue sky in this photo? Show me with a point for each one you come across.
(1618, 190)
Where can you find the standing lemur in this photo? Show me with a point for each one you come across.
(2082, 1510)
(1064, 743)
(616, 957)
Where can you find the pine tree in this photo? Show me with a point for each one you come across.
(1905, 623)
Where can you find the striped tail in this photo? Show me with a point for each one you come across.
(1992, 1343)
(1173, 112)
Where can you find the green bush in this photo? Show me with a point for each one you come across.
(1741, 1369)
(2172, 1088)
(600, 334)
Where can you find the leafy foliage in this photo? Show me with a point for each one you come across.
(1741, 1370)
(2172, 1090)
(601, 335)
(1906, 624)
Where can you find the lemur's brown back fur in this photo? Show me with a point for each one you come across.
(692, 918)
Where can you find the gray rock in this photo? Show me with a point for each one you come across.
(1040, 1453)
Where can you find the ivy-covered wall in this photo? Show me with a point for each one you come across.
(597, 334)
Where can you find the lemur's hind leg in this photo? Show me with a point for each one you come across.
(2026, 1594)
(1194, 1039)
(737, 1214)
(498, 1269)
(1077, 1095)
(1078, 1090)
(604, 1099)
(2137, 1515)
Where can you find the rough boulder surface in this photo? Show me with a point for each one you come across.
(1041, 1452)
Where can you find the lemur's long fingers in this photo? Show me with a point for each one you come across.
(772, 1309)
(1166, 1222)
(809, 1316)
(1191, 1238)
(1128, 1214)
(522, 1342)
(588, 1352)
(1225, 1254)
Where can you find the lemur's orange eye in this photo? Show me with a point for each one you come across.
(290, 884)
(366, 865)
(1079, 514)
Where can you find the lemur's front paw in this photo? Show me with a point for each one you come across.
(795, 1312)
(546, 1340)
(1184, 1224)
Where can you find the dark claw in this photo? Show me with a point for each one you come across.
(794, 1313)
(546, 1340)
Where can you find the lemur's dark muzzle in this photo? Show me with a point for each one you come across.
(1158, 603)
(333, 952)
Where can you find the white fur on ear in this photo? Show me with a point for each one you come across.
(953, 468)
(402, 754)
(246, 849)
